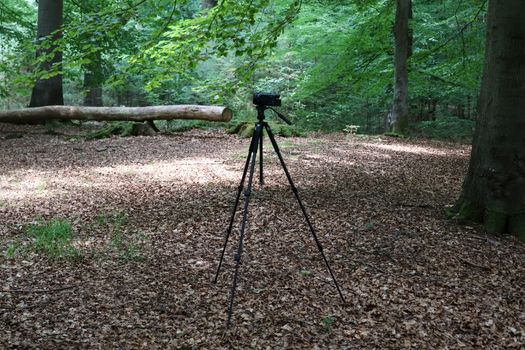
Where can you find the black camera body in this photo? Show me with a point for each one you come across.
(266, 99)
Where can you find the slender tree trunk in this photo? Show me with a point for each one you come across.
(468, 107)
(402, 51)
(93, 78)
(494, 188)
(208, 4)
(49, 91)
(93, 95)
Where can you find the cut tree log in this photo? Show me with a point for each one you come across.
(136, 114)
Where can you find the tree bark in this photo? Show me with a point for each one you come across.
(402, 48)
(138, 114)
(49, 91)
(494, 188)
(208, 4)
(93, 78)
(94, 93)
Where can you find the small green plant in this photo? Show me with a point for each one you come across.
(116, 220)
(126, 247)
(369, 226)
(119, 220)
(327, 322)
(351, 129)
(12, 250)
(53, 238)
(305, 273)
(132, 251)
(395, 134)
(117, 241)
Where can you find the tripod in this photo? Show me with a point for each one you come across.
(255, 145)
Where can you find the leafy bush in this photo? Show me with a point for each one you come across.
(446, 128)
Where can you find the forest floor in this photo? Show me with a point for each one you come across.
(149, 216)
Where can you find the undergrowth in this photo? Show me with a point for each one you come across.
(327, 323)
(53, 239)
(445, 128)
(122, 245)
(122, 129)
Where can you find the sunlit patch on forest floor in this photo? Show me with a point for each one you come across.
(148, 216)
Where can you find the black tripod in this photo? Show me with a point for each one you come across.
(257, 143)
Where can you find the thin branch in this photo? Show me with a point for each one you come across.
(463, 45)
(30, 291)
(461, 30)
(164, 27)
(80, 6)
(436, 77)
(17, 16)
(219, 5)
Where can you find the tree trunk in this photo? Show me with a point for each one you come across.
(93, 95)
(402, 50)
(49, 91)
(494, 188)
(138, 114)
(93, 78)
(208, 4)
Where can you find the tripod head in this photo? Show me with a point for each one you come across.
(264, 101)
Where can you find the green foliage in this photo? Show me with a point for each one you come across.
(327, 323)
(17, 27)
(123, 245)
(331, 61)
(115, 220)
(232, 28)
(395, 134)
(305, 273)
(185, 125)
(445, 128)
(127, 248)
(449, 38)
(54, 239)
(123, 129)
(13, 249)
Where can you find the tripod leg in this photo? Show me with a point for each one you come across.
(257, 134)
(261, 177)
(303, 209)
(253, 149)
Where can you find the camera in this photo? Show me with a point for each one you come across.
(266, 99)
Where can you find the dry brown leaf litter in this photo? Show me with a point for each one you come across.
(411, 278)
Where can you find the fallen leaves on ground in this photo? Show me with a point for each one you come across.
(150, 214)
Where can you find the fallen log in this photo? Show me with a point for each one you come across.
(136, 114)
